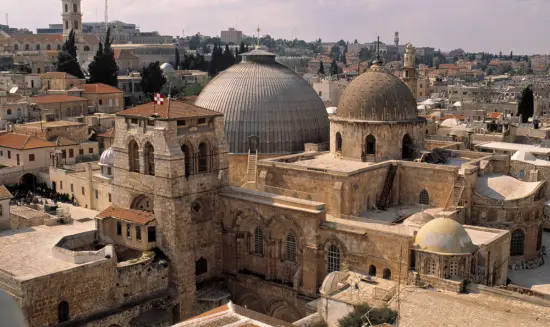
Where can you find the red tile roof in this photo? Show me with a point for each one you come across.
(100, 88)
(108, 133)
(23, 142)
(132, 215)
(448, 66)
(4, 193)
(51, 38)
(494, 115)
(178, 109)
(449, 116)
(45, 99)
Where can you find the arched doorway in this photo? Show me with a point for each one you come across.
(372, 270)
(406, 150)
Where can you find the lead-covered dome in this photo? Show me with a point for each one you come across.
(260, 97)
(444, 235)
(377, 96)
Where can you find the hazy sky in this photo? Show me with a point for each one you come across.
(521, 26)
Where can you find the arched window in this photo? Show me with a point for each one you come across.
(9, 111)
(66, 24)
(142, 202)
(149, 158)
(66, 8)
(188, 159)
(429, 267)
(201, 266)
(371, 144)
(290, 248)
(133, 156)
(521, 174)
(16, 47)
(424, 198)
(203, 157)
(75, 7)
(333, 257)
(387, 274)
(48, 47)
(517, 242)
(38, 47)
(63, 312)
(87, 48)
(372, 270)
(338, 141)
(258, 241)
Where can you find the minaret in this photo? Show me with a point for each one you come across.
(409, 70)
(396, 43)
(72, 17)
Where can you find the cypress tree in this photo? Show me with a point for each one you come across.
(228, 58)
(177, 59)
(526, 106)
(242, 48)
(67, 59)
(321, 70)
(152, 79)
(333, 67)
(103, 68)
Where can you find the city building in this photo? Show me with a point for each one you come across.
(354, 199)
(103, 98)
(232, 36)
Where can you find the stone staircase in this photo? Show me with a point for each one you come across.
(252, 167)
(384, 197)
(456, 193)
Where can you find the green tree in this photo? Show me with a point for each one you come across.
(334, 69)
(341, 43)
(205, 48)
(526, 105)
(195, 42)
(103, 68)
(335, 51)
(365, 54)
(216, 63)
(344, 59)
(67, 60)
(242, 48)
(152, 79)
(376, 316)
(177, 59)
(193, 89)
(321, 70)
(228, 58)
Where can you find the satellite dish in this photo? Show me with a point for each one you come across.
(14, 89)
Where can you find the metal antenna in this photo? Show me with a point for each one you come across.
(258, 43)
(106, 13)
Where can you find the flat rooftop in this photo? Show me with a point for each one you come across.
(50, 124)
(26, 253)
(537, 279)
(504, 146)
(324, 161)
(419, 307)
(398, 212)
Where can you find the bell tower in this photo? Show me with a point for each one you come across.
(72, 17)
(409, 69)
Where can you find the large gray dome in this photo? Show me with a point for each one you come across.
(260, 97)
(377, 96)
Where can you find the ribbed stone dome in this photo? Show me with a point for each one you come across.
(377, 96)
(260, 97)
(107, 158)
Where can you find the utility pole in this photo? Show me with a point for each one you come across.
(399, 286)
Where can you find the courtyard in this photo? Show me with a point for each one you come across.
(537, 279)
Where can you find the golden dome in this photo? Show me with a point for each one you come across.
(444, 235)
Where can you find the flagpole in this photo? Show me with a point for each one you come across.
(169, 98)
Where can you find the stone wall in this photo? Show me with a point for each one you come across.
(238, 165)
(136, 280)
(389, 138)
(437, 180)
(76, 132)
(361, 249)
(438, 283)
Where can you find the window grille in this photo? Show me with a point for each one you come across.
(259, 241)
(424, 198)
(333, 259)
(517, 242)
(290, 253)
